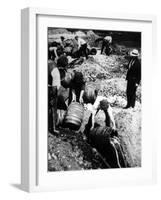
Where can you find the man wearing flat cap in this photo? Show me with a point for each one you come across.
(133, 78)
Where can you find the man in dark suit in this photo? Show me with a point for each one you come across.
(133, 78)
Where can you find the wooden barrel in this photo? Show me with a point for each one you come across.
(66, 80)
(109, 147)
(74, 116)
(99, 136)
(90, 94)
(93, 51)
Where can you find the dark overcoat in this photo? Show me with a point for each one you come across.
(134, 71)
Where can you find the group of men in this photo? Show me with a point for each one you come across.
(57, 68)
(78, 45)
(77, 85)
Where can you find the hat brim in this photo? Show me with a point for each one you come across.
(134, 55)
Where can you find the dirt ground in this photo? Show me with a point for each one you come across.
(69, 150)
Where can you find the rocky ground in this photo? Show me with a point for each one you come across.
(69, 150)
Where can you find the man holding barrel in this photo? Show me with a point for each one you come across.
(102, 103)
(98, 103)
(77, 86)
(106, 45)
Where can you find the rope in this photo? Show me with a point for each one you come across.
(117, 156)
(121, 150)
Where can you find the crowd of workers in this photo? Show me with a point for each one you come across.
(57, 70)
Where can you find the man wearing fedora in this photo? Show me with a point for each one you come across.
(133, 78)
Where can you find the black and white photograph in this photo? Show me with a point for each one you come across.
(94, 99)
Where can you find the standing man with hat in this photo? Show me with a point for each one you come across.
(133, 78)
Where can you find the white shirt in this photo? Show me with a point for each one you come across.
(56, 77)
(97, 101)
(81, 42)
(96, 106)
(108, 38)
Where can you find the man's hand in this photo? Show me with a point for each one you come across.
(92, 127)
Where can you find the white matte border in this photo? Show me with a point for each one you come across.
(94, 177)
(39, 179)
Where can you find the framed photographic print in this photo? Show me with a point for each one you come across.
(86, 99)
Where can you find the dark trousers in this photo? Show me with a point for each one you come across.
(131, 93)
(83, 50)
(105, 45)
(77, 93)
(107, 120)
(51, 55)
(52, 108)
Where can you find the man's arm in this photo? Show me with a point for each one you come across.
(73, 95)
(94, 112)
(81, 96)
(79, 43)
(111, 117)
(56, 78)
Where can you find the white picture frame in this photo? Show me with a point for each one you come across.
(31, 140)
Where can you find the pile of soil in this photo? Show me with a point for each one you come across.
(128, 123)
(108, 74)
(56, 31)
(70, 151)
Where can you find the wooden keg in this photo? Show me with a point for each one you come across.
(93, 51)
(108, 146)
(74, 116)
(100, 136)
(66, 80)
(90, 94)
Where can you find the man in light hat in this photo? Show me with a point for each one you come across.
(133, 78)
(107, 40)
(82, 46)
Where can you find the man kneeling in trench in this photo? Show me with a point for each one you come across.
(100, 103)
(107, 144)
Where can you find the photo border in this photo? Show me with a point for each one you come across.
(29, 111)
